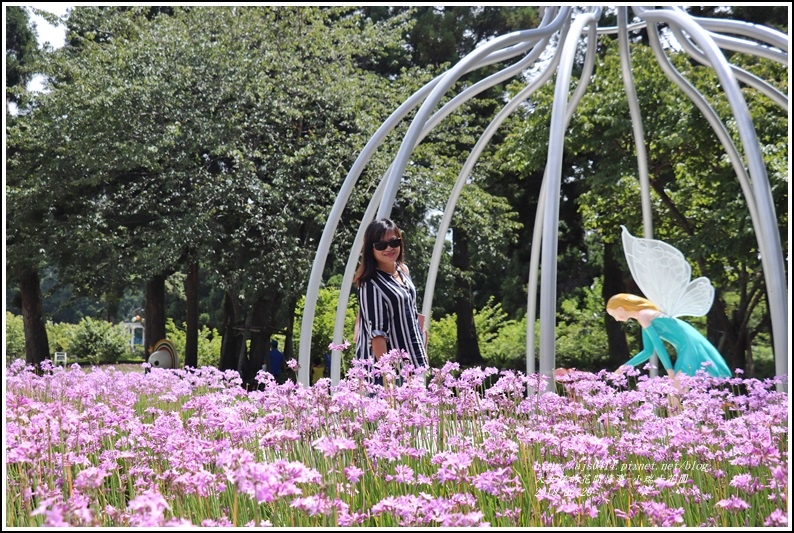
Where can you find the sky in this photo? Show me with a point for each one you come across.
(46, 31)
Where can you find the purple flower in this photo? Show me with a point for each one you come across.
(339, 347)
(353, 473)
(148, 509)
(498, 483)
(403, 474)
(313, 504)
(778, 518)
(745, 482)
(733, 504)
(661, 515)
(332, 445)
(90, 478)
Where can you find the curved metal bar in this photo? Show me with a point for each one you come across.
(438, 248)
(537, 232)
(713, 119)
(409, 142)
(769, 36)
(548, 289)
(446, 110)
(537, 235)
(750, 47)
(767, 230)
(639, 141)
(742, 75)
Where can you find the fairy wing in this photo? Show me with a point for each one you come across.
(663, 275)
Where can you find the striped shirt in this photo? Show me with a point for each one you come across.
(388, 308)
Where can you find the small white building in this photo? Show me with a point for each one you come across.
(136, 334)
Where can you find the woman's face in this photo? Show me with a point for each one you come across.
(618, 314)
(386, 258)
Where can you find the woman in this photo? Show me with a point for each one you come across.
(691, 347)
(387, 297)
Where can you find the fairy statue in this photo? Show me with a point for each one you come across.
(663, 275)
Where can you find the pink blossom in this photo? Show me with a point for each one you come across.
(353, 473)
(333, 445)
(661, 515)
(148, 509)
(778, 518)
(339, 347)
(733, 504)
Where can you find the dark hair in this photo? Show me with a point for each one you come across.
(375, 231)
(274, 344)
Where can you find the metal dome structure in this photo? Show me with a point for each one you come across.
(559, 35)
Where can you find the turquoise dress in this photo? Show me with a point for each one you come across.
(691, 348)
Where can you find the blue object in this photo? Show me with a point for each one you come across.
(276, 362)
(692, 348)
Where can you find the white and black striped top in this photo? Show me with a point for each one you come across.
(388, 308)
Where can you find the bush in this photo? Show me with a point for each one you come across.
(442, 340)
(209, 344)
(98, 342)
(324, 321)
(59, 336)
(15, 338)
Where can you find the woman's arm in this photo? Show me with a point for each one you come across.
(378, 347)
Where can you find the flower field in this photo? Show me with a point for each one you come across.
(452, 448)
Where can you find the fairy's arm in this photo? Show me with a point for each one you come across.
(650, 342)
(650, 336)
(644, 355)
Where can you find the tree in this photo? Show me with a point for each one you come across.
(21, 51)
(24, 245)
(165, 141)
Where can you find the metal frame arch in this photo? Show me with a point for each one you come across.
(698, 37)
(766, 229)
(553, 19)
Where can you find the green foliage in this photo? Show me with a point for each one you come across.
(60, 336)
(20, 51)
(98, 342)
(581, 338)
(209, 343)
(442, 340)
(15, 337)
(503, 341)
(324, 321)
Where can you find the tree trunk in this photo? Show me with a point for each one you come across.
(37, 347)
(191, 314)
(732, 342)
(232, 335)
(154, 327)
(468, 349)
(262, 328)
(614, 284)
(112, 301)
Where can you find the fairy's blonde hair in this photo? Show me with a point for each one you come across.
(630, 303)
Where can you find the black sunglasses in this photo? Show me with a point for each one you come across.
(394, 243)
